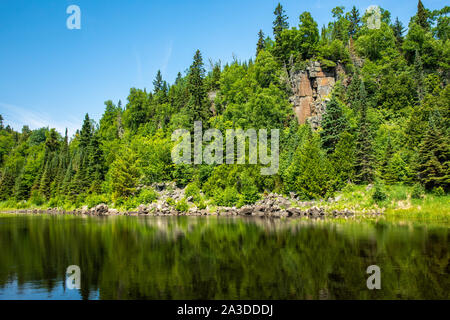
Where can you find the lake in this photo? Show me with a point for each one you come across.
(220, 258)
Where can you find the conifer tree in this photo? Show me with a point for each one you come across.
(433, 167)
(280, 23)
(355, 21)
(158, 83)
(422, 16)
(333, 124)
(364, 158)
(196, 88)
(261, 45)
(398, 32)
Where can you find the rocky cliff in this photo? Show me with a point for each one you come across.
(311, 90)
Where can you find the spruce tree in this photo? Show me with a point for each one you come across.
(364, 158)
(261, 45)
(422, 16)
(355, 21)
(158, 83)
(86, 132)
(196, 88)
(398, 32)
(280, 23)
(333, 124)
(433, 167)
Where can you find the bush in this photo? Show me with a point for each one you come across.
(418, 191)
(379, 194)
(201, 204)
(182, 205)
(93, 200)
(438, 191)
(248, 196)
(147, 196)
(192, 190)
(170, 202)
(36, 198)
(227, 198)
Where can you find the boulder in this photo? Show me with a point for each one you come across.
(101, 210)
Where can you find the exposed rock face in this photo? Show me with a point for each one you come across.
(311, 91)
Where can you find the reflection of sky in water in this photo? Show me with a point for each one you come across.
(34, 291)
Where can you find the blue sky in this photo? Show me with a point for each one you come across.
(52, 76)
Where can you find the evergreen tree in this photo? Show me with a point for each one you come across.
(1, 122)
(355, 21)
(364, 158)
(196, 88)
(433, 167)
(158, 83)
(422, 16)
(309, 174)
(343, 160)
(261, 42)
(280, 23)
(333, 124)
(398, 32)
(86, 132)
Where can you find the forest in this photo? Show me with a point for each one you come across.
(386, 122)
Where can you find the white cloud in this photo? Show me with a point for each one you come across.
(17, 117)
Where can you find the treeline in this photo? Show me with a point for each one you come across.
(387, 121)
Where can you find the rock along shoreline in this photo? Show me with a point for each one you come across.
(271, 206)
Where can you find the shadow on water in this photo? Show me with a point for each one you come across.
(219, 258)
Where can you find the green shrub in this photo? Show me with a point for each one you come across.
(438, 191)
(418, 191)
(227, 198)
(170, 202)
(36, 198)
(201, 204)
(93, 200)
(147, 196)
(192, 190)
(379, 194)
(182, 205)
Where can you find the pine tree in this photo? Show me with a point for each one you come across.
(1, 122)
(280, 23)
(196, 88)
(355, 21)
(261, 45)
(364, 158)
(333, 124)
(422, 16)
(433, 167)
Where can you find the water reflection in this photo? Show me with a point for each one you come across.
(219, 258)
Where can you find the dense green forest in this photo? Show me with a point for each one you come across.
(387, 121)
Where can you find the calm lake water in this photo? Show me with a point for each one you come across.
(219, 258)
